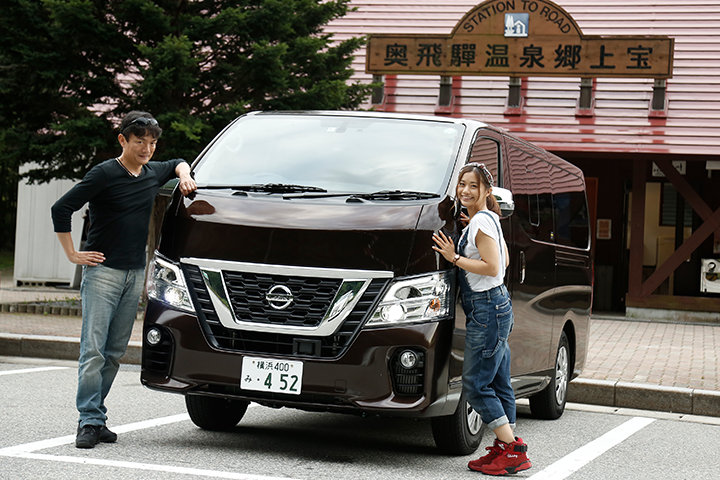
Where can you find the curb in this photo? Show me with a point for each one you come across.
(44, 309)
(40, 309)
(645, 397)
(588, 391)
(61, 348)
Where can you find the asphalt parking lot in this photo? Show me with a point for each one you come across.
(158, 441)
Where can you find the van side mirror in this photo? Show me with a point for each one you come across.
(505, 200)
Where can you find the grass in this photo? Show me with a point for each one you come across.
(7, 259)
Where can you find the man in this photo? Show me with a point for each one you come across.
(120, 192)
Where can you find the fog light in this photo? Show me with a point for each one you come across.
(153, 336)
(408, 359)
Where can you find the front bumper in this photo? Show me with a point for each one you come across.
(361, 380)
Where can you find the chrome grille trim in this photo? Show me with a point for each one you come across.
(287, 270)
(253, 341)
(216, 273)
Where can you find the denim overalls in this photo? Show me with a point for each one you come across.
(486, 368)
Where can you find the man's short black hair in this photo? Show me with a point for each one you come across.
(140, 124)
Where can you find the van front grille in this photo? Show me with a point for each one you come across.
(312, 298)
(315, 299)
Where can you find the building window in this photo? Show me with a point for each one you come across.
(378, 93)
(668, 207)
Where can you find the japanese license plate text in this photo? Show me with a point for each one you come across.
(271, 375)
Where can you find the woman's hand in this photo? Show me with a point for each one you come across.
(445, 246)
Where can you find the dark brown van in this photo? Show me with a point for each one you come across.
(301, 273)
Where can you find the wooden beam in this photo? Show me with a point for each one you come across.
(637, 227)
(687, 191)
(676, 302)
(681, 254)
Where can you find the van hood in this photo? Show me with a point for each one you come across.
(319, 232)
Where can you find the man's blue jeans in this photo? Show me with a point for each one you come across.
(110, 300)
(486, 368)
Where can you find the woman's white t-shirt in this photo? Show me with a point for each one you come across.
(489, 224)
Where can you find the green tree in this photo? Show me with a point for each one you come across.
(70, 69)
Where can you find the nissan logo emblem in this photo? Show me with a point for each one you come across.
(279, 297)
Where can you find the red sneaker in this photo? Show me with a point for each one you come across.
(493, 452)
(512, 459)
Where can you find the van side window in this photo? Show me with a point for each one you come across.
(572, 222)
(532, 192)
(533, 200)
(487, 150)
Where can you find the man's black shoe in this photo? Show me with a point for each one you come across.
(87, 436)
(106, 436)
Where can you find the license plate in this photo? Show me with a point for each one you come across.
(271, 375)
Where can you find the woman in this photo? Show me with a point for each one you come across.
(482, 258)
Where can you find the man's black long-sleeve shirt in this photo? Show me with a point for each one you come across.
(120, 209)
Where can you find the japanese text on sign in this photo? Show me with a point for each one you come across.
(520, 38)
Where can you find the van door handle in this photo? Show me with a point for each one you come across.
(522, 267)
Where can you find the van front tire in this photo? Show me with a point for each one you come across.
(459, 433)
(213, 413)
(549, 404)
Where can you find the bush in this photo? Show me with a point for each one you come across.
(6, 259)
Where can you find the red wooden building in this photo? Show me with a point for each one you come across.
(656, 226)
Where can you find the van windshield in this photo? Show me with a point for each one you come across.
(345, 154)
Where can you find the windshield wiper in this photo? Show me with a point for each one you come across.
(394, 195)
(266, 187)
(317, 192)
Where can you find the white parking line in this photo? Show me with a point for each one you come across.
(31, 370)
(56, 442)
(26, 451)
(574, 461)
(148, 466)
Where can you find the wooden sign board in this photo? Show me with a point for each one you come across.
(521, 38)
(604, 229)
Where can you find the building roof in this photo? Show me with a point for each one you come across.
(622, 122)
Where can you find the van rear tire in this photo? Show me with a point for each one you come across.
(549, 404)
(459, 433)
(214, 413)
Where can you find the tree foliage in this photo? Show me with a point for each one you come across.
(70, 69)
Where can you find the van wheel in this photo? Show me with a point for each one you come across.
(213, 413)
(549, 404)
(459, 433)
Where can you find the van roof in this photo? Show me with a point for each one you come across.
(403, 116)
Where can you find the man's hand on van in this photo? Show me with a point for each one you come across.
(187, 183)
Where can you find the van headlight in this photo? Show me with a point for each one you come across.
(166, 284)
(416, 299)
